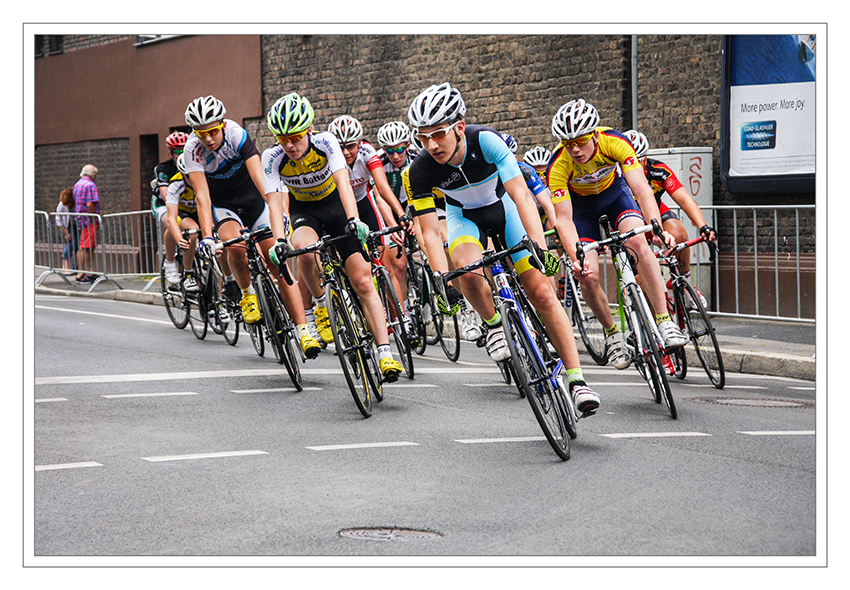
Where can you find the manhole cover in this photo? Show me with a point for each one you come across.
(759, 403)
(388, 534)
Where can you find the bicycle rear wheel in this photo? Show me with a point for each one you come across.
(173, 296)
(701, 333)
(535, 380)
(348, 349)
(649, 357)
(395, 320)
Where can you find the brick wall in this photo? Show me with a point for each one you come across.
(64, 161)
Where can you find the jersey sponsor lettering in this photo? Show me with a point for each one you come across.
(311, 177)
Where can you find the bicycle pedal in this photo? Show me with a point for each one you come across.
(587, 414)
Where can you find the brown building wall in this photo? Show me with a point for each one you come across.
(115, 91)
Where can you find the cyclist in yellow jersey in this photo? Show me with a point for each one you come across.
(182, 213)
(593, 172)
(311, 169)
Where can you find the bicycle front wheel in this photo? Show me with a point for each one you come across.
(395, 320)
(173, 297)
(535, 381)
(197, 312)
(348, 349)
(276, 322)
(649, 357)
(701, 333)
(591, 331)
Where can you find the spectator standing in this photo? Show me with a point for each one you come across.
(86, 201)
(68, 224)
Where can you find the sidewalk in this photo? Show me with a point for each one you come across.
(763, 347)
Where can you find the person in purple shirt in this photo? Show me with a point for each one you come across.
(87, 200)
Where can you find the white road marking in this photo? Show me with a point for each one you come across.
(402, 385)
(652, 434)
(67, 466)
(74, 379)
(363, 446)
(203, 456)
(470, 441)
(164, 394)
(776, 432)
(803, 388)
(275, 390)
(45, 400)
(105, 315)
(709, 385)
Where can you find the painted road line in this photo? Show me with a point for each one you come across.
(67, 466)
(475, 441)
(652, 434)
(776, 432)
(403, 385)
(709, 385)
(164, 394)
(203, 456)
(803, 388)
(45, 400)
(363, 446)
(105, 315)
(275, 390)
(76, 379)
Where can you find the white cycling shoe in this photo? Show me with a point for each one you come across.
(497, 346)
(671, 334)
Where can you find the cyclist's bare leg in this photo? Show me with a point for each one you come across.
(677, 229)
(290, 293)
(593, 293)
(648, 268)
(360, 275)
(473, 286)
(539, 292)
(189, 254)
(308, 264)
(235, 255)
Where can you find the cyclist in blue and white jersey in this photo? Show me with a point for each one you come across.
(486, 195)
(224, 167)
(163, 174)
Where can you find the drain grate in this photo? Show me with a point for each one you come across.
(388, 534)
(759, 403)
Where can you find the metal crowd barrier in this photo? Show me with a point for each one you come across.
(128, 245)
(763, 269)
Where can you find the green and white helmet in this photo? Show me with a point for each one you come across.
(393, 133)
(290, 114)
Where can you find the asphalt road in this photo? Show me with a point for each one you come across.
(148, 442)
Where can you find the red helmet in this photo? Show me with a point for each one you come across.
(176, 140)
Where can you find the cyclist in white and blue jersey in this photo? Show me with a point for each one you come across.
(486, 195)
(224, 167)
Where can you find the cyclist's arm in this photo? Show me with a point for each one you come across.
(544, 197)
(386, 192)
(643, 194)
(432, 242)
(566, 228)
(689, 206)
(518, 191)
(346, 194)
(276, 211)
(171, 213)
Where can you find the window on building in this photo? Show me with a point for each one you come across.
(39, 45)
(55, 44)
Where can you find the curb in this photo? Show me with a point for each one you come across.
(734, 361)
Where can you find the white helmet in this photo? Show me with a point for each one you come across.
(393, 133)
(537, 156)
(204, 110)
(346, 128)
(638, 141)
(435, 105)
(181, 164)
(574, 119)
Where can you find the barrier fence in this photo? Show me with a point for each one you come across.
(765, 267)
(128, 245)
